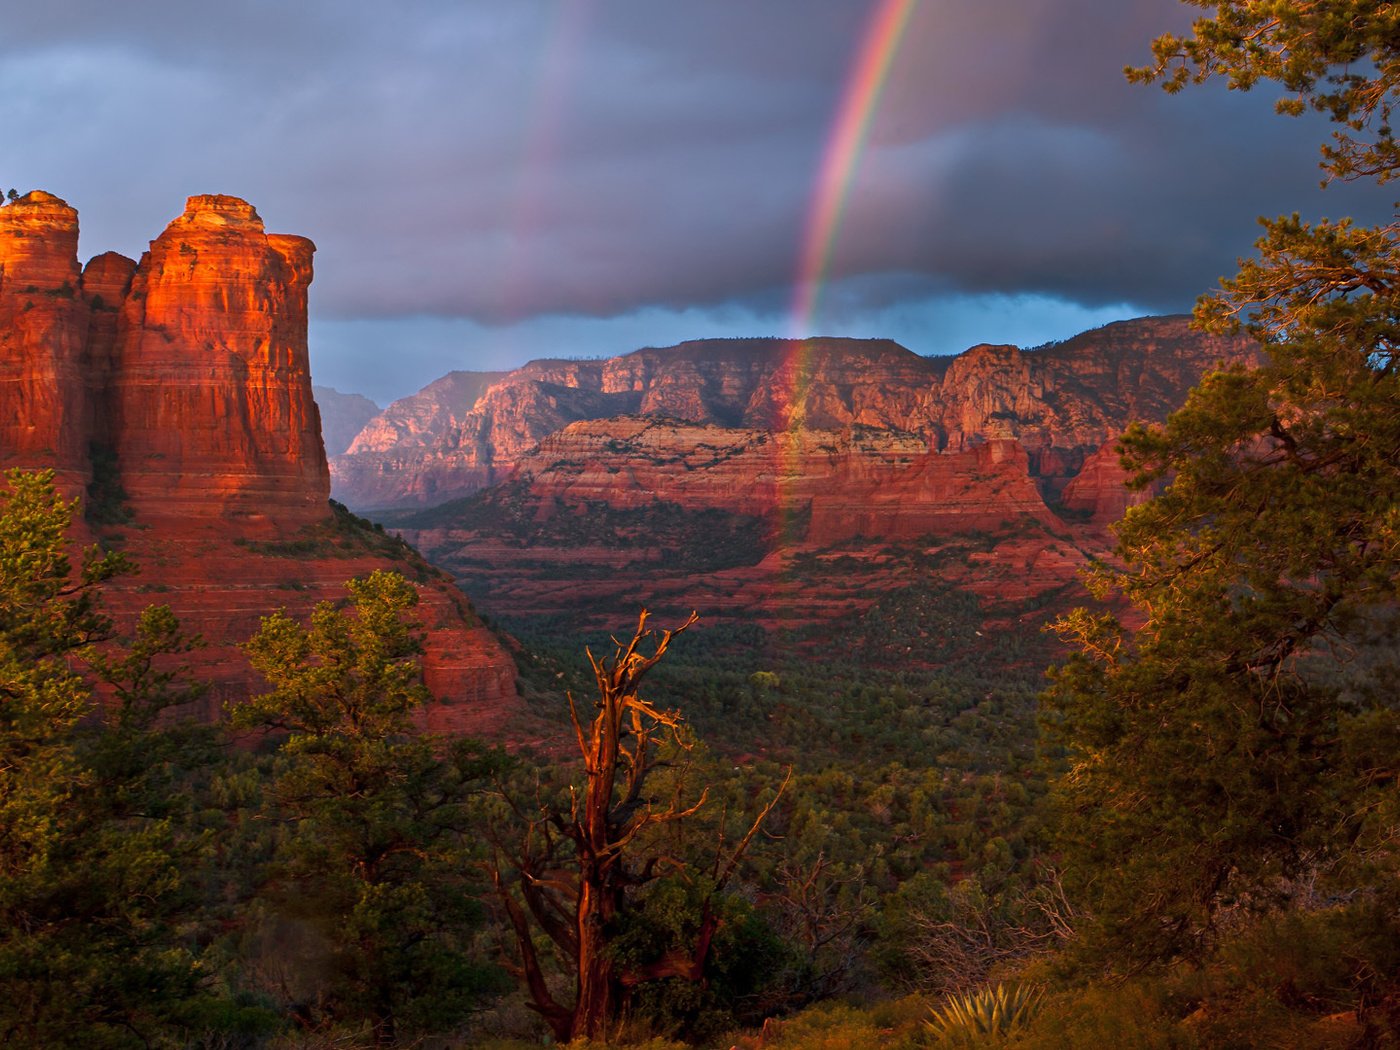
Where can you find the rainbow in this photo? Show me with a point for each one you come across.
(859, 102)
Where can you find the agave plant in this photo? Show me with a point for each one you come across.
(977, 1018)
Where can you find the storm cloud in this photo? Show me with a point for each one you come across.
(487, 182)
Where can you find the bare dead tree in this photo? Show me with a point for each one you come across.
(959, 947)
(572, 872)
(822, 908)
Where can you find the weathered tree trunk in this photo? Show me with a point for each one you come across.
(385, 1032)
(605, 820)
(595, 1004)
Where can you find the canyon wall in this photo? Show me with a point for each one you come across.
(1060, 403)
(790, 483)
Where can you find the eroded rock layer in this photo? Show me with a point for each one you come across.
(793, 484)
(211, 387)
(175, 396)
(47, 419)
(1060, 403)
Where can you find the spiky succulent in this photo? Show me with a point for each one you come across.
(972, 1018)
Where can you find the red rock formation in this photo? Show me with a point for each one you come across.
(180, 390)
(435, 445)
(1099, 490)
(211, 390)
(984, 488)
(1060, 403)
(220, 584)
(47, 418)
(860, 481)
(741, 463)
(610, 514)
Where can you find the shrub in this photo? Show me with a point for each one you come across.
(972, 1018)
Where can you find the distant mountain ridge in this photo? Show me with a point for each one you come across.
(1061, 403)
(793, 486)
(342, 417)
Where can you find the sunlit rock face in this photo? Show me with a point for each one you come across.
(48, 417)
(855, 481)
(384, 460)
(175, 397)
(211, 386)
(793, 483)
(1059, 403)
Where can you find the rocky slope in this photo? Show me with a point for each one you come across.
(1060, 403)
(409, 452)
(342, 417)
(175, 395)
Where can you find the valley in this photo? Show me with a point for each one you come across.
(788, 485)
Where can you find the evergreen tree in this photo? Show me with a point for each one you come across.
(1239, 743)
(94, 854)
(372, 865)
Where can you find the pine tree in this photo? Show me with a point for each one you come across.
(1239, 742)
(95, 859)
(376, 852)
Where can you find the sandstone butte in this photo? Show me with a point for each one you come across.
(174, 395)
(998, 464)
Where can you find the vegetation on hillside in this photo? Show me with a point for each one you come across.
(323, 877)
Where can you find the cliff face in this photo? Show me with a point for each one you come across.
(342, 417)
(175, 394)
(210, 387)
(606, 515)
(858, 481)
(44, 354)
(1061, 403)
(416, 444)
(793, 483)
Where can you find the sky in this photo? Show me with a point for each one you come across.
(490, 181)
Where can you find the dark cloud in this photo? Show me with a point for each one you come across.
(497, 165)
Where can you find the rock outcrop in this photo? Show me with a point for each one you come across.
(47, 418)
(859, 481)
(210, 389)
(1060, 403)
(175, 395)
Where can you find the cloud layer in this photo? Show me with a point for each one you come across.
(496, 167)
